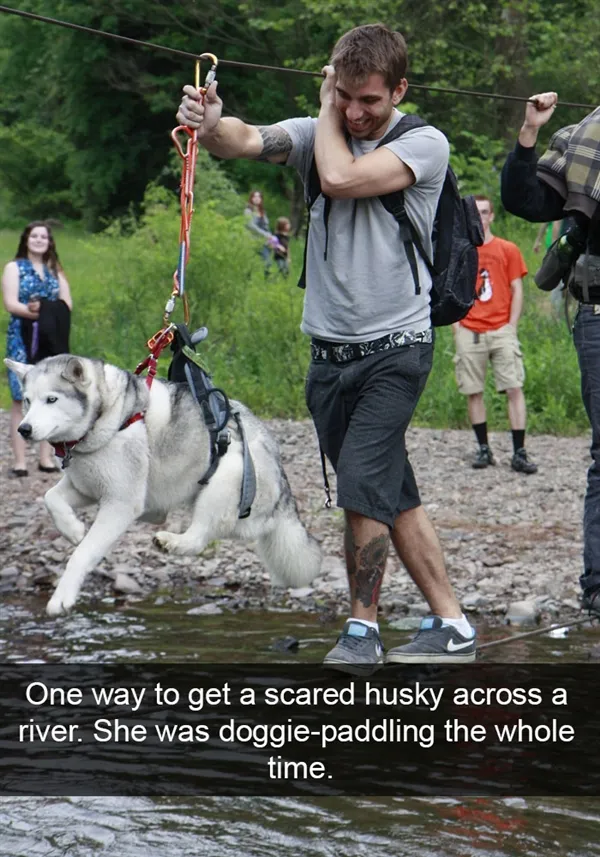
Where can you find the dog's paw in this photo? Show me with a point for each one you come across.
(76, 531)
(61, 602)
(71, 528)
(165, 541)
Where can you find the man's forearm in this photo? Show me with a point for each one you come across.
(528, 136)
(232, 138)
(332, 154)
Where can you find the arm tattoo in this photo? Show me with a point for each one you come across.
(276, 141)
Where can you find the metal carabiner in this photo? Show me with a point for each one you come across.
(211, 75)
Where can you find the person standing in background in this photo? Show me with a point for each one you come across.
(258, 224)
(34, 275)
(281, 250)
(488, 333)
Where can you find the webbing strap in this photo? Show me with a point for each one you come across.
(325, 479)
(248, 489)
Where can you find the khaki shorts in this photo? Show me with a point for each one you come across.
(473, 352)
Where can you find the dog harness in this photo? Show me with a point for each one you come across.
(186, 367)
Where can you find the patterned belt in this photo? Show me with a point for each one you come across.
(343, 352)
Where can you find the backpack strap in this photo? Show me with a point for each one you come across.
(394, 204)
(312, 192)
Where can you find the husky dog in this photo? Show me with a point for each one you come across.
(153, 465)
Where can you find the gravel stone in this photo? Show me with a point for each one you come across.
(507, 537)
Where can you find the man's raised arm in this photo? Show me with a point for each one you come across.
(230, 137)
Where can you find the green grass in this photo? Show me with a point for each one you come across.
(255, 350)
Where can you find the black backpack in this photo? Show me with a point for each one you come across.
(457, 232)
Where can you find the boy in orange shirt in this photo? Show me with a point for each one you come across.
(488, 333)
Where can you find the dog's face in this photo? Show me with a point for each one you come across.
(55, 398)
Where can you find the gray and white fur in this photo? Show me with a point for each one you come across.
(152, 467)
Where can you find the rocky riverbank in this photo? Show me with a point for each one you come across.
(507, 537)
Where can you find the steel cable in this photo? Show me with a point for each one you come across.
(257, 66)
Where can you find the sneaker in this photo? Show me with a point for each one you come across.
(483, 458)
(521, 463)
(358, 650)
(434, 643)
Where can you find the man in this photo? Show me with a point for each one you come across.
(566, 180)
(371, 334)
(488, 333)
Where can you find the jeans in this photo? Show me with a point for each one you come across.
(586, 335)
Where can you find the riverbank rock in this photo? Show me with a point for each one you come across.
(523, 613)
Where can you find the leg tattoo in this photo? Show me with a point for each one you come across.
(366, 567)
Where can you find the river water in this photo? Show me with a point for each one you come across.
(312, 827)
(241, 827)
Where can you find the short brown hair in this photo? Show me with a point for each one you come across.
(371, 49)
(481, 197)
(282, 224)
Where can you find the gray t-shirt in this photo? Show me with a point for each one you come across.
(364, 289)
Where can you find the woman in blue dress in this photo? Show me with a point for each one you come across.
(34, 274)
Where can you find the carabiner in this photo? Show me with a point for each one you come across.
(211, 75)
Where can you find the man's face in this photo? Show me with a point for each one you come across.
(485, 212)
(367, 107)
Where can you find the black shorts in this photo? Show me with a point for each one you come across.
(361, 410)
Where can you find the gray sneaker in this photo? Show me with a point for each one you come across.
(434, 643)
(358, 650)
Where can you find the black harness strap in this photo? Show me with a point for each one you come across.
(216, 412)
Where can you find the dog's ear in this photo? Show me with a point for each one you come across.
(74, 372)
(20, 369)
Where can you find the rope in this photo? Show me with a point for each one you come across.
(257, 66)
(539, 631)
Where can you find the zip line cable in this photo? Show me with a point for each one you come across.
(256, 66)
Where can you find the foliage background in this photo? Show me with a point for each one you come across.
(84, 127)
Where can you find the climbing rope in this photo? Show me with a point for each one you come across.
(186, 196)
(165, 336)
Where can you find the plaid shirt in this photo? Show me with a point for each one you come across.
(571, 164)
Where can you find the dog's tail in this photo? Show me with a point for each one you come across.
(291, 556)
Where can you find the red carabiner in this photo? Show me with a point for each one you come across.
(186, 188)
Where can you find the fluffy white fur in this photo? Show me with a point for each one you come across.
(152, 467)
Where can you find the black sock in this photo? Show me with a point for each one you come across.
(518, 437)
(481, 433)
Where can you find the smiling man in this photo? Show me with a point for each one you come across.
(370, 328)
